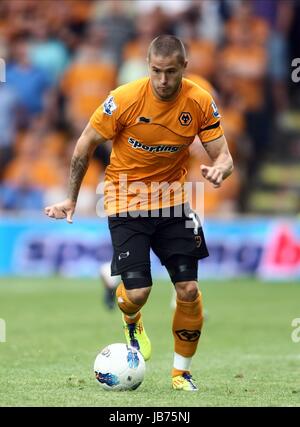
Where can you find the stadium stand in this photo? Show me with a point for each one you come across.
(63, 61)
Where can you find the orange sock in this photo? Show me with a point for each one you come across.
(131, 311)
(187, 325)
(176, 372)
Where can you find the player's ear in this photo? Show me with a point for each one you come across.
(185, 64)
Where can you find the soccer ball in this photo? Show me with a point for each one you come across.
(119, 367)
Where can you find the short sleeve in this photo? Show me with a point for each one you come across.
(210, 127)
(105, 118)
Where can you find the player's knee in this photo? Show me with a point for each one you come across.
(187, 290)
(138, 296)
(138, 281)
(182, 269)
(138, 285)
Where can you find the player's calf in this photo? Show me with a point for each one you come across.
(135, 333)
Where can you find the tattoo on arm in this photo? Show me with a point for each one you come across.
(79, 166)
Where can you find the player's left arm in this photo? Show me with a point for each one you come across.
(221, 158)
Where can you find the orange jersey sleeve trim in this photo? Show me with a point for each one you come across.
(210, 128)
(212, 133)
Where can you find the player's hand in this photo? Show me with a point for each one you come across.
(213, 174)
(61, 210)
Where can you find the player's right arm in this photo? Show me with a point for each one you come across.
(83, 152)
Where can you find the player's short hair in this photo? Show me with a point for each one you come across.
(167, 45)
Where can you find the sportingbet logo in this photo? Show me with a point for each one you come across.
(154, 148)
(2, 71)
(2, 330)
(282, 255)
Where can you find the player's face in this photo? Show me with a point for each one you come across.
(166, 75)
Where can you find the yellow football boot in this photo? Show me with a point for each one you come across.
(184, 382)
(136, 337)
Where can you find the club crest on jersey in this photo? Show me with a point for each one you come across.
(109, 106)
(215, 110)
(185, 118)
(198, 241)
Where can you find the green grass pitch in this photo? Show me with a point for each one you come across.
(55, 327)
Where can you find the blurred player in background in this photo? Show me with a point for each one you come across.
(152, 122)
(110, 284)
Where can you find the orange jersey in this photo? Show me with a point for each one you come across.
(202, 82)
(150, 142)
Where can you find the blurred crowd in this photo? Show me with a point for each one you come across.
(64, 56)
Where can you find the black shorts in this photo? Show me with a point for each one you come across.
(132, 238)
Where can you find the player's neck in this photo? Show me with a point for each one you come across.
(166, 100)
